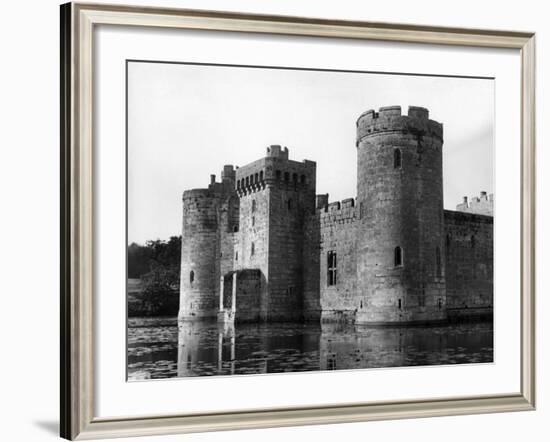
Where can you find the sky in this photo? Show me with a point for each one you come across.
(186, 122)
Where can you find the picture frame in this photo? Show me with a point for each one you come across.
(78, 24)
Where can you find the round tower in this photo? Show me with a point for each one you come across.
(198, 294)
(400, 262)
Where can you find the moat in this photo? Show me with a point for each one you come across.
(162, 348)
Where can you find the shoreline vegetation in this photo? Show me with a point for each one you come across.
(153, 278)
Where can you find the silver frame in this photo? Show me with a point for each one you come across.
(77, 390)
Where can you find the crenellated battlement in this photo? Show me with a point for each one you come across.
(337, 212)
(275, 169)
(215, 189)
(390, 119)
(276, 151)
(197, 193)
(324, 206)
(482, 204)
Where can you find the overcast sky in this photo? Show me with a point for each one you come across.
(185, 122)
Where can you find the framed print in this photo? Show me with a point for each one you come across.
(339, 215)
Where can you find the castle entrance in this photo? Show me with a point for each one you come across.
(240, 296)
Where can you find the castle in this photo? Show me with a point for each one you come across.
(261, 245)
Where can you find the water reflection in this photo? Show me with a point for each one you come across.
(160, 347)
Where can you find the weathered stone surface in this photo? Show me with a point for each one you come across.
(402, 207)
(469, 256)
(383, 257)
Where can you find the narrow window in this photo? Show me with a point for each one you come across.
(191, 276)
(235, 228)
(439, 303)
(247, 181)
(473, 241)
(397, 158)
(256, 178)
(331, 268)
(438, 262)
(253, 206)
(448, 243)
(238, 184)
(289, 204)
(303, 179)
(287, 176)
(253, 221)
(261, 175)
(242, 182)
(399, 303)
(252, 249)
(295, 177)
(278, 174)
(398, 256)
(236, 256)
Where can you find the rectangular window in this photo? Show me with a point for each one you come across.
(331, 268)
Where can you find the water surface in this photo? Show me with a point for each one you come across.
(162, 348)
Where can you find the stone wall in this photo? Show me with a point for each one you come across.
(469, 269)
(312, 274)
(228, 220)
(249, 283)
(338, 234)
(252, 240)
(286, 220)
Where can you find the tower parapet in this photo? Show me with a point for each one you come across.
(389, 119)
(482, 205)
(275, 169)
(276, 151)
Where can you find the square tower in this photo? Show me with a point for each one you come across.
(276, 195)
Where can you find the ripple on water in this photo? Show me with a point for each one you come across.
(204, 349)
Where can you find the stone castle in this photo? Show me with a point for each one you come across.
(261, 245)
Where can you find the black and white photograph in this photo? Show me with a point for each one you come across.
(280, 220)
(286, 220)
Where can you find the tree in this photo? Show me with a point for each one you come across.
(157, 264)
